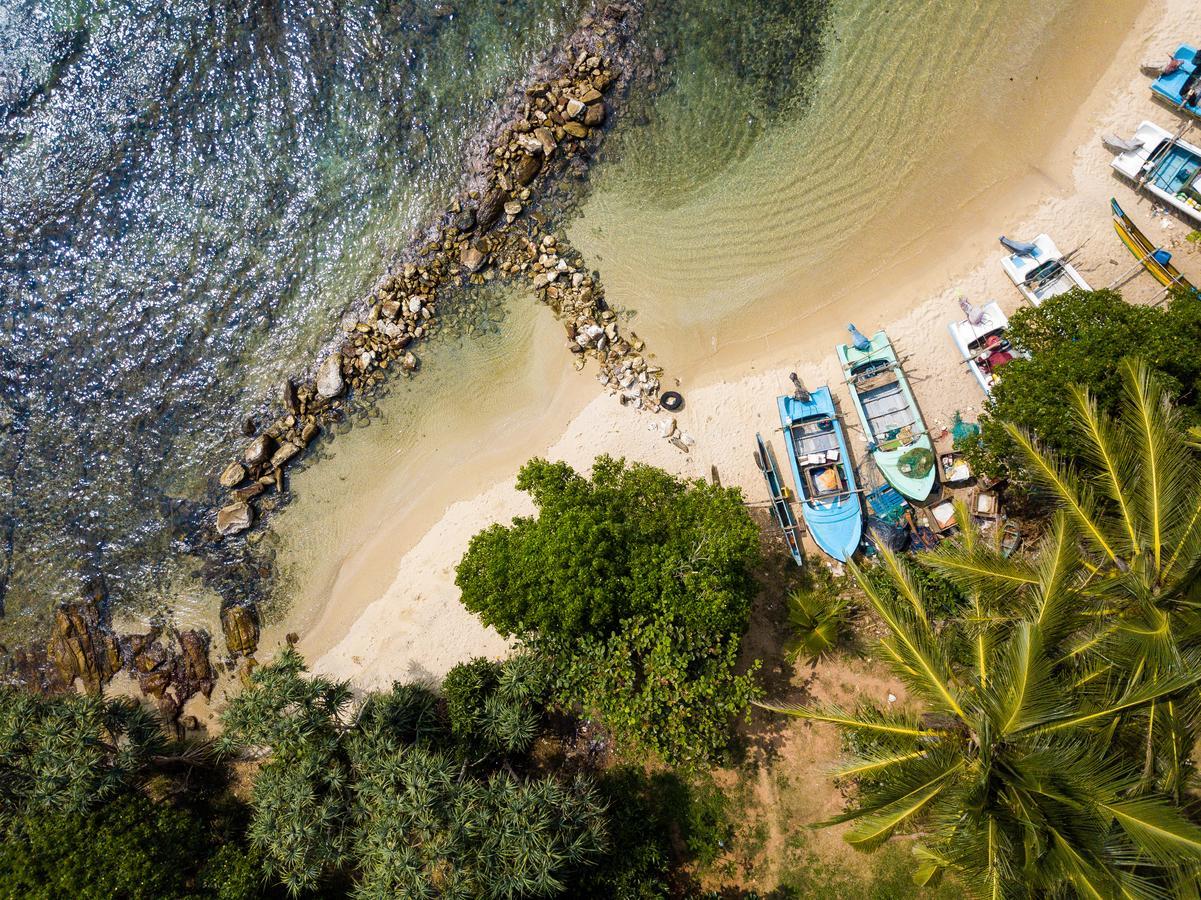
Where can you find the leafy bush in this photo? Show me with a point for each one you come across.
(130, 848)
(630, 541)
(376, 795)
(71, 752)
(635, 587)
(662, 687)
(1079, 338)
(496, 707)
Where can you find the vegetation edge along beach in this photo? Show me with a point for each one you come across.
(667, 687)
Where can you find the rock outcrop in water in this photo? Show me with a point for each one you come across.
(491, 231)
(496, 229)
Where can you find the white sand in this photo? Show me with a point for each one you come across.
(418, 629)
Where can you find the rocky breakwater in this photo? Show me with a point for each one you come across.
(496, 228)
(84, 651)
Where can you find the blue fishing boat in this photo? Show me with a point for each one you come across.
(822, 472)
(1180, 86)
(765, 457)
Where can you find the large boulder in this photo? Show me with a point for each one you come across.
(527, 168)
(288, 397)
(234, 518)
(329, 377)
(285, 452)
(594, 117)
(82, 646)
(240, 622)
(193, 670)
(546, 138)
(490, 209)
(233, 475)
(472, 258)
(259, 450)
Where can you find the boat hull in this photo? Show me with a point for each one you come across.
(781, 511)
(835, 522)
(1171, 87)
(1161, 166)
(964, 335)
(1138, 244)
(888, 460)
(1019, 267)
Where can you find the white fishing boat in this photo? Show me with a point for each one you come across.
(1041, 271)
(983, 344)
(1165, 166)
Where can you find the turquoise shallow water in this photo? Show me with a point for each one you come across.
(190, 194)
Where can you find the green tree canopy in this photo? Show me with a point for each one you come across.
(387, 793)
(632, 540)
(1079, 339)
(129, 848)
(635, 587)
(71, 752)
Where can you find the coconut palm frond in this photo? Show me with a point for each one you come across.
(1109, 450)
(1022, 691)
(1075, 495)
(925, 663)
(1135, 699)
(1168, 469)
(834, 716)
(1157, 829)
(874, 764)
(873, 828)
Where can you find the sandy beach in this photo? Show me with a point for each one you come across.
(390, 609)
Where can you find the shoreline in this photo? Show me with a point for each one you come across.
(390, 605)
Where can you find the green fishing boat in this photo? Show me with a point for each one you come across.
(897, 438)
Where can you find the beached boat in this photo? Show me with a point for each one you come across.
(1165, 166)
(822, 472)
(984, 347)
(765, 458)
(1156, 261)
(1178, 87)
(896, 434)
(1043, 272)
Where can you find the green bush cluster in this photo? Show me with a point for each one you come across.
(1078, 339)
(635, 587)
(394, 793)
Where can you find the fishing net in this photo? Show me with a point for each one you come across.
(916, 463)
(961, 431)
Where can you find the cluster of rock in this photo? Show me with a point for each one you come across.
(169, 665)
(492, 231)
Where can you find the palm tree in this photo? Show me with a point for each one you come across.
(1009, 772)
(818, 622)
(1134, 499)
(1060, 706)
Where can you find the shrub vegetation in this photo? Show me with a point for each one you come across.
(636, 588)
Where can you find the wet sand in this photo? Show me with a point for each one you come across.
(368, 549)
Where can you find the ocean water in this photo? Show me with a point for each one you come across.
(190, 194)
(795, 162)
